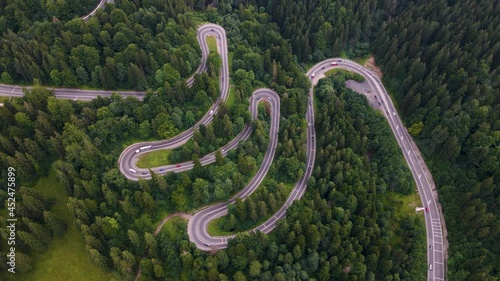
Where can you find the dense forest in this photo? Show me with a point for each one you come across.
(20, 14)
(440, 61)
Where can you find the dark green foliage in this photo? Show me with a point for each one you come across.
(112, 50)
(439, 58)
(442, 61)
(20, 14)
(35, 227)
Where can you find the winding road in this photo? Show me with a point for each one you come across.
(197, 226)
(99, 6)
(436, 253)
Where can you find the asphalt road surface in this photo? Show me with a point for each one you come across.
(436, 255)
(130, 155)
(197, 226)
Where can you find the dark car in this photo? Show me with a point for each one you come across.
(178, 165)
(426, 209)
(144, 173)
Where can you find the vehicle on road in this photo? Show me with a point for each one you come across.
(314, 74)
(430, 266)
(222, 79)
(212, 29)
(178, 165)
(143, 148)
(161, 170)
(323, 67)
(211, 112)
(394, 113)
(426, 209)
(269, 98)
(334, 63)
(132, 171)
(144, 173)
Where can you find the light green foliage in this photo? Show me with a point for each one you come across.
(416, 128)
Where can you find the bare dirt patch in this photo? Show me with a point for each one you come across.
(370, 64)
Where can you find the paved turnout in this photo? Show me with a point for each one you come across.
(197, 226)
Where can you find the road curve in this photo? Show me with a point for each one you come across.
(198, 224)
(436, 253)
(129, 156)
(99, 6)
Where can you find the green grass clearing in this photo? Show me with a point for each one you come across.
(214, 230)
(154, 158)
(231, 99)
(403, 206)
(212, 43)
(362, 60)
(66, 258)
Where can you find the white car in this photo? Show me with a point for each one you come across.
(211, 112)
(269, 98)
(132, 171)
(314, 74)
